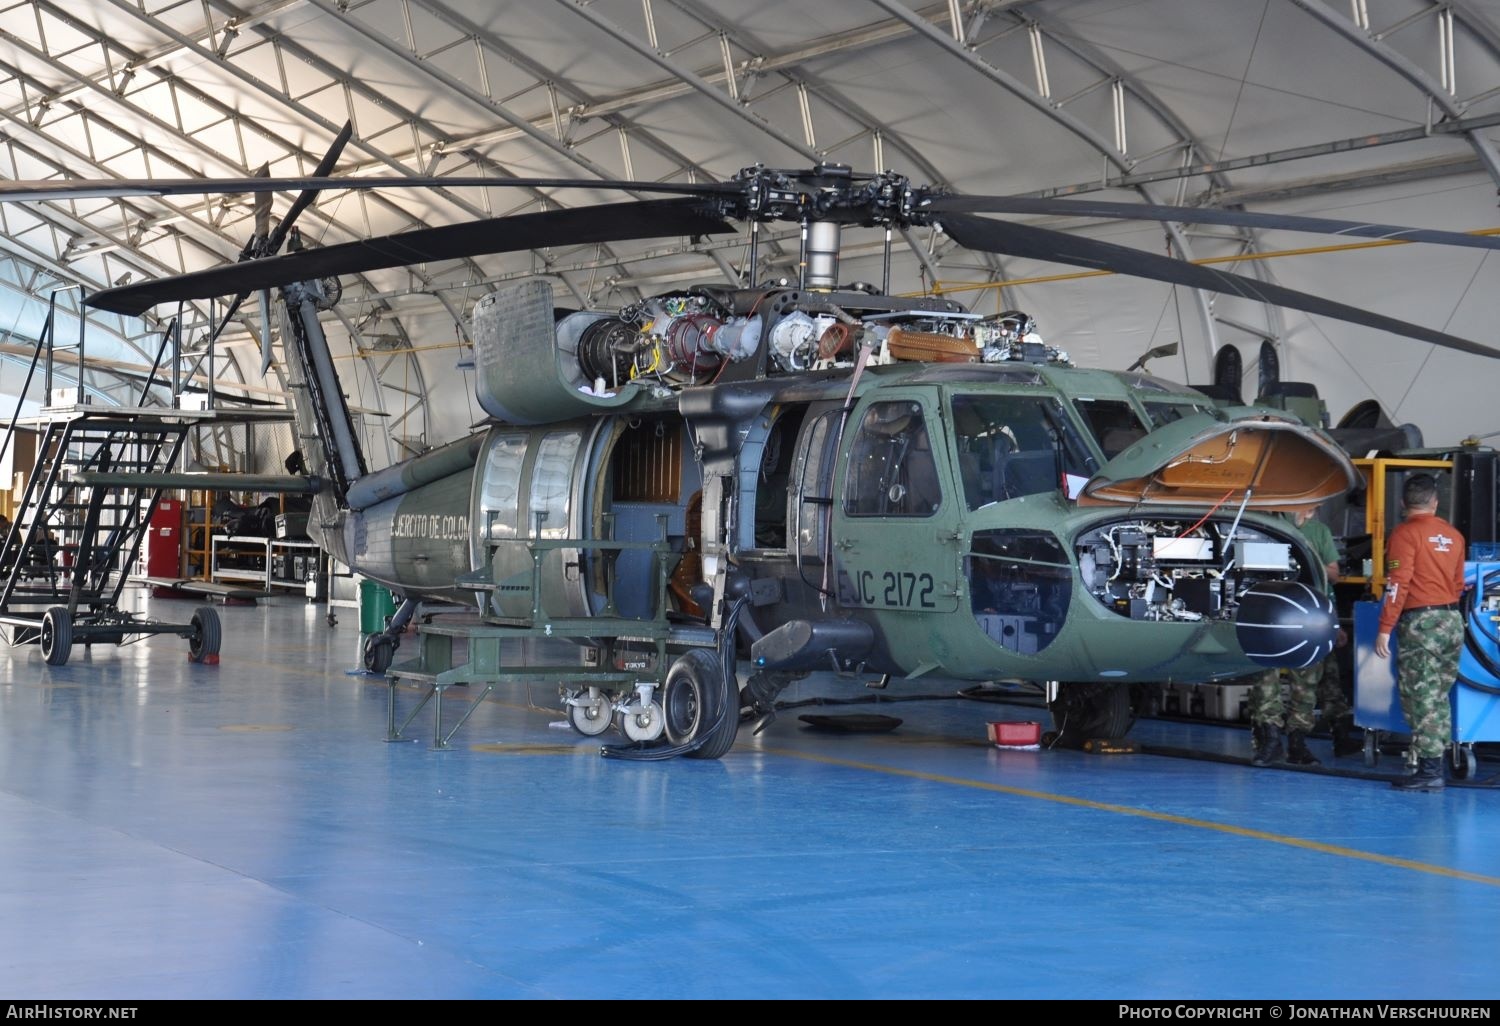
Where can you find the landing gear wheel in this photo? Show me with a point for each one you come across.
(203, 643)
(1462, 761)
(1372, 748)
(57, 635)
(699, 702)
(642, 722)
(591, 716)
(379, 651)
(1084, 712)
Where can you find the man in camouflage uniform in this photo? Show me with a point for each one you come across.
(1424, 579)
(1309, 686)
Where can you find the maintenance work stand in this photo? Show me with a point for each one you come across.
(619, 665)
(98, 478)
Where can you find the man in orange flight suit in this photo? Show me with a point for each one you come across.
(1424, 561)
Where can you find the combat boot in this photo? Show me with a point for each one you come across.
(1346, 739)
(1296, 750)
(1267, 744)
(1429, 777)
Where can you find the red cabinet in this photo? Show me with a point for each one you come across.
(161, 550)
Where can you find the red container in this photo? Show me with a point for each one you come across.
(1016, 733)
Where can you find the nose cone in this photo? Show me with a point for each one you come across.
(1285, 624)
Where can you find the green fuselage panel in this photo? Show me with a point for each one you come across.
(418, 542)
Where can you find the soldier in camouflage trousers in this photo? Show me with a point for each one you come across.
(1428, 644)
(1309, 685)
(1424, 580)
(1310, 689)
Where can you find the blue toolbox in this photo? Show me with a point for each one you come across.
(1476, 694)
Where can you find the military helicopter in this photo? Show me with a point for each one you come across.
(851, 481)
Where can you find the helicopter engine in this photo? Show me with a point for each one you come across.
(678, 340)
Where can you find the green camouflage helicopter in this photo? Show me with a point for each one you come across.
(849, 480)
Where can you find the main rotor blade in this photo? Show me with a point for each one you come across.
(1204, 215)
(986, 234)
(615, 222)
(37, 190)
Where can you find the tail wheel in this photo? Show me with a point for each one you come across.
(379, 651)
(1083, 712)
(203, 643)
(57, 635)
(700, 703)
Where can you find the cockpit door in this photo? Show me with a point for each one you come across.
(895, 509)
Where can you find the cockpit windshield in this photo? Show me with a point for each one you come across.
(1015, 445)
(1114, 422)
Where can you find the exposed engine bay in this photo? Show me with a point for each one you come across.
(1161, 569)
(680, 339)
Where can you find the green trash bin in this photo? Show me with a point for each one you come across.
(376, 605)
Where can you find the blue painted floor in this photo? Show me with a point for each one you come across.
(242, 831)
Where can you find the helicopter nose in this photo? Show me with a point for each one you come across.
(1285, 625)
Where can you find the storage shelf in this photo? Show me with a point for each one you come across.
(260, 556)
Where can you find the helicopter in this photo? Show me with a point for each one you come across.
(875, 485)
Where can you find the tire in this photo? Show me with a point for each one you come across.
(1085, 712)
(56, 635)
(699, 704)
(379, 653)
(203, 643)
(1372, 748)
(1462, 762)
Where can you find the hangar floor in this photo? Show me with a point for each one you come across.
(241, 831)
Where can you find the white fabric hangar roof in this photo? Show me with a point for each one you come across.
(1378, 110)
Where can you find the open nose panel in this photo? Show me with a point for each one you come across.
(1217, 456)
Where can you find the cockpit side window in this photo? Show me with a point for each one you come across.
(892, 472)
(1113, 422)
(1011, 446)
(1165, 413)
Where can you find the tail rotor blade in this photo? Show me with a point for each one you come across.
(265, 331)
(306, 196)
(262, 207)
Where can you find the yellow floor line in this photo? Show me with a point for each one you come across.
(1126, 810)
(1163, 817)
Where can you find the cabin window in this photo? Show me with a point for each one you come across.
(1011, 446)
(892, 472)
(1113, 423)
(1020, 584)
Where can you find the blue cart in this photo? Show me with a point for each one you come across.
(1476, 693)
